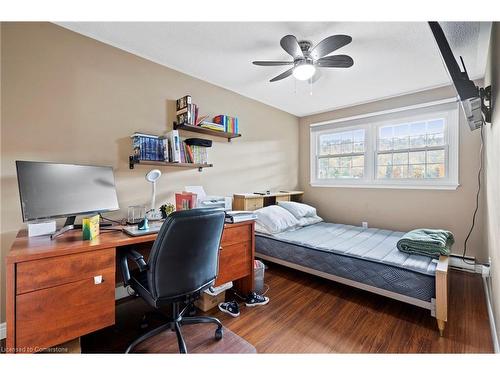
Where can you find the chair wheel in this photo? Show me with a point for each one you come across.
(218, 333)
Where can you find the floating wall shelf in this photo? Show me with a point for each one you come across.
(200, 167)
(215, 133)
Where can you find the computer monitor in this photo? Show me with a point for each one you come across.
(53, 190)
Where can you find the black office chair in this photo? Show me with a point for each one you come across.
(183, 262)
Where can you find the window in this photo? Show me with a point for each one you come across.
(407, 148)
(415, 151)
(342, 154)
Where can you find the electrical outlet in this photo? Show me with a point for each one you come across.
(364, 224)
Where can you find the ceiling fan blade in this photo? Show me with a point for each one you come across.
(330, 44)
(291, 46)
(272, 63)
(282, 75)
(335, 61)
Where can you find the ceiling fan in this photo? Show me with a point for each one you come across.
(307, 59)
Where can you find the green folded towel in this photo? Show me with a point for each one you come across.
(428, 242)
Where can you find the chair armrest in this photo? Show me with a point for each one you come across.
(134, 256)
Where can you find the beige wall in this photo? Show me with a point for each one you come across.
(492, 171)
(69, 98)
(2, 265)
(400, 209)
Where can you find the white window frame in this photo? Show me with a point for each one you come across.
(447, 109)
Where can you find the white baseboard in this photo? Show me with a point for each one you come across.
(491, 315)
(456, 261)
(3, 330)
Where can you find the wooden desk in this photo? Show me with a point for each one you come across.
(52, 296)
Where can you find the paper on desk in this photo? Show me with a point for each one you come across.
(198, 190)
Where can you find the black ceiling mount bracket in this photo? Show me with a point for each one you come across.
(485, 94)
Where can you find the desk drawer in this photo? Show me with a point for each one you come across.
(234, 262)
(54, 315)
(236, 234)
(50, 272)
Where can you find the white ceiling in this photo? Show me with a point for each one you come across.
(390, 58)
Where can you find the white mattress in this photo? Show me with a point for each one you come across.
(372, 244)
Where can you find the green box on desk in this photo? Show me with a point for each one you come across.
(90, 227)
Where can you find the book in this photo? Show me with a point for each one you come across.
(230, 123)
(175, 146)
(185, 118)
(200, 119)
(239, 216)
(212, 126)
(148, 147)
(183, 102)
(185, 201)
(184, 110)
(189, 153)
(183, 152)
(166, 153)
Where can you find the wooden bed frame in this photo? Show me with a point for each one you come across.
(438, 306)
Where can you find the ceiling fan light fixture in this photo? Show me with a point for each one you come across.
(304, 71)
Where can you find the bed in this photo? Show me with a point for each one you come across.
(363, 258)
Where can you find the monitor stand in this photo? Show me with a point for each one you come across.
(68, 225)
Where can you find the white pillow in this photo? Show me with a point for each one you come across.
(299, 210)
(275, 219)
(305, 221)
(261, 229)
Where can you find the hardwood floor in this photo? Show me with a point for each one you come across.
(307, 314)
(199, 338)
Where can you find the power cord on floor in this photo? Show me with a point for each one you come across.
(464, 254)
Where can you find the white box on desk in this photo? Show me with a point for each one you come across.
(41, 228)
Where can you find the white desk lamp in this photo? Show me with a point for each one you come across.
(153, 176)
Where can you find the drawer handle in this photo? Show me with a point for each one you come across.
(98, 279)
(220, 247)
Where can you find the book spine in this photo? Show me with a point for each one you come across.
(183, 102)
(170, 153)
(183, 156)
(182, 110)
(165, 149)
(190, 153)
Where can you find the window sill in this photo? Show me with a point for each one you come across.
(387, 186)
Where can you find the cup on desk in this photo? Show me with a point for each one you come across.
(135, 214)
